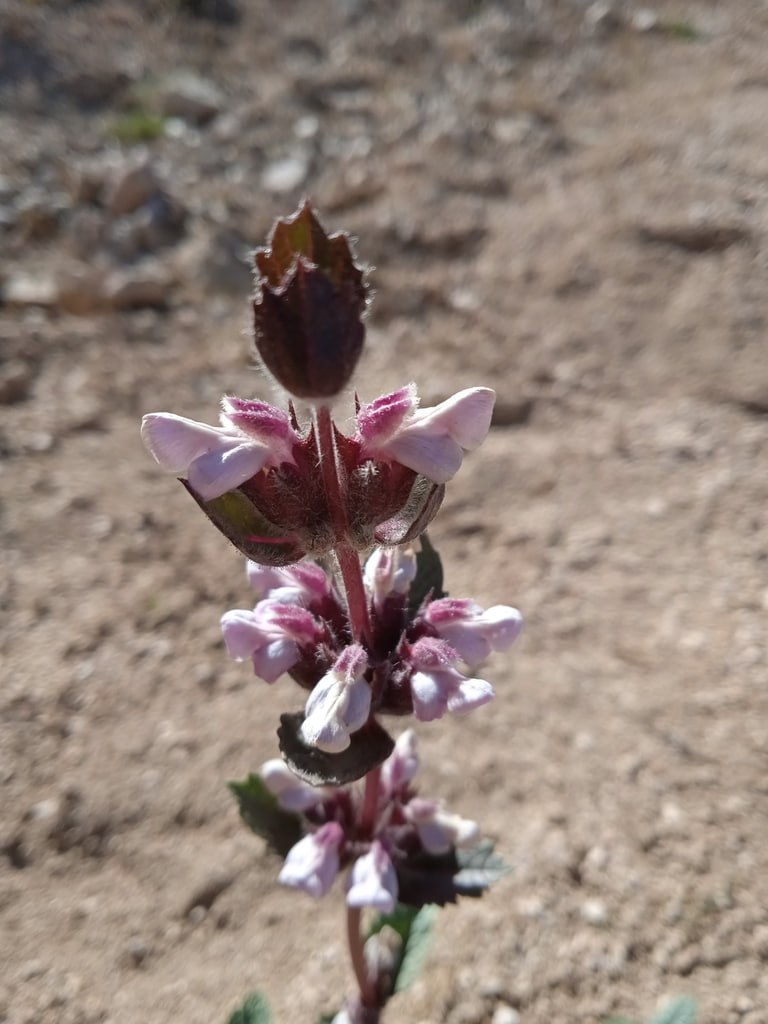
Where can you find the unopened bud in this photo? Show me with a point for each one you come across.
(308, 308)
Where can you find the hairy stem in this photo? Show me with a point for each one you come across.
(349, 562)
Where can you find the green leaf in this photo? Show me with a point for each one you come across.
(479, 868)
(137, 126)
(255, 1010)
(416, 947)
(261, 812)
(682, 30)
(429, 576)
(414, 928)
(680, 1010)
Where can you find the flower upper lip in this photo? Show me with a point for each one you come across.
(253, 436)
(429, 441)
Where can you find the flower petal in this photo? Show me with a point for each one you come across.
(339, 704)
(380, 419)
(471, 630)
(401, 766)
(175, 441)
(263, 423)
(470, 694)
(372, 881)
(436, 458)
(313, 863)
(465, 417)
(226, 467)
(292, 794)
(270, 661)
(242, 633)
(431, 442)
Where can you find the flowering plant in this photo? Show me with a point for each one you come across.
(349, 603)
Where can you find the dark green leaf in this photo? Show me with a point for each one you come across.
(680, 1010)
(429, 576)
(260, 811)
(255, 1010)
(429, 878)
(368, 748)
(479, 868)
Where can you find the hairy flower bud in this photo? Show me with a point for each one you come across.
(401, 766)
(389, 572)
(308, 308)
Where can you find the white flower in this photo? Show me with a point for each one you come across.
(437, 685)
(339, 704)
(253, 436)
(313, 863)
(471, 630)
(372, 881)
(272, 636)
(429, 441)
(438, 830)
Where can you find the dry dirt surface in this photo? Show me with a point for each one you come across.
(564, 200)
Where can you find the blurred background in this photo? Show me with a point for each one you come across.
(564, 200)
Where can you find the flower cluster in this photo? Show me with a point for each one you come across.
(410, 664)
(404, 830)
(257, 474)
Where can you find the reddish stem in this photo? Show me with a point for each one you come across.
(357, 955)
(349, 562)
(360, 625)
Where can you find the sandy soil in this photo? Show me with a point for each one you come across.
(567, 204)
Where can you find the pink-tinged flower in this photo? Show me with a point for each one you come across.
(402, 764)
(372, 881)
(389, 571)
(339, 704)
(301, 584)
(429, 441)
(471, 630)
(313, 863)
(292, 794)
(438, 830)
(253, 436)
(437, 685)
(272, 636)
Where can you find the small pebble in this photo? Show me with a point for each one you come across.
(505, 1015)
(594, 912)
